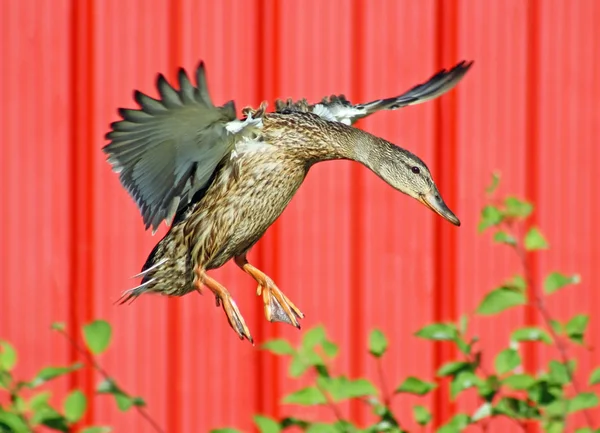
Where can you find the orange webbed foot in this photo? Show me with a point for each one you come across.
(278, 307)
(224, 299)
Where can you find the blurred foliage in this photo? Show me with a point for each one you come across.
(29, 405)
(548, 398)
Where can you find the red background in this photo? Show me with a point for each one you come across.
(351, 252)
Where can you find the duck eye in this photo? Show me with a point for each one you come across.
(416, 170)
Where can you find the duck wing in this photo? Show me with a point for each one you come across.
(338, 108)
(167, 150)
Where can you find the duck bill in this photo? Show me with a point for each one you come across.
(434, 202)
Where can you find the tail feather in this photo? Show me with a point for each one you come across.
(132, 294)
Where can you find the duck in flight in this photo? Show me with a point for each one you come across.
(220, 181)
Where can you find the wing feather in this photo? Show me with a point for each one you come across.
(342, 110)
(167, 150)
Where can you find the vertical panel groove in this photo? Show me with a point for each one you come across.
(82, 182)
(260, 367)
(531, 158)
(269, 82)
(357, 217)
(174, 376)
(446, 166)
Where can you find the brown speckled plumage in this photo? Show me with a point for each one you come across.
(258, 164)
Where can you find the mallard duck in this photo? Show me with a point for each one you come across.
(220, 181)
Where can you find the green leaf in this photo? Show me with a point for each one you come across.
(463, 380)
(534, 240)
(488, 387)
(518, 283)
(484, 411)
(345, 426)
(559, 373)
(306, 396)
(519, 382)
(500, 299)
(312, 358)
(313, 337)
(5, 380)
(75, 406)
(97, 336)
(225, 430)
(414, 385)
(289, 421)
(595, 377)
(124, 402)
(49, 417)
(582, 401)
(463, 346)
(463, 323)
(557, 326)
(456, 424)
(8, 356)
(321, 427)
(354, 388)
(138, 401)
(554, 426)
(266, 424)
(584, 430)
(97, 429)
(107, 386)
(330, 348)
(39, 400)
(517, 208)
(490, 217)
(342, 388)
(516, 408)
(438, 331)
(454, 367)
(13, 423)
(531, 334)
(556, 281)
(49, 373)
(494, 185)
(504, 238)
(298, 367)
(279, 347)
(575, 328)
(377, 343)
(506, 361)
(422, 415)
(17, 404)
(544, 393)
(58, 326)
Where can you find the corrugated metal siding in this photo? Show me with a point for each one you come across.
(351, 252)
(569, 128)
(35, 179)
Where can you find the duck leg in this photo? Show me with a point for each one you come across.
(236, 321)
(278, 308)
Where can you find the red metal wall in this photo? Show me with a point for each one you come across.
(350, 251)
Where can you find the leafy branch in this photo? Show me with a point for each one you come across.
(26, 414)
(548, 398)
(97, 338)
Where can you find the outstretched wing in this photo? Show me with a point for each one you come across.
(168, 149)
(342, 110)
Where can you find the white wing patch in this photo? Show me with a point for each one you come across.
(324, 112)
(337, 112)
(235, 126)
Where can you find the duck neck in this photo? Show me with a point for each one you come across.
(373, 152)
